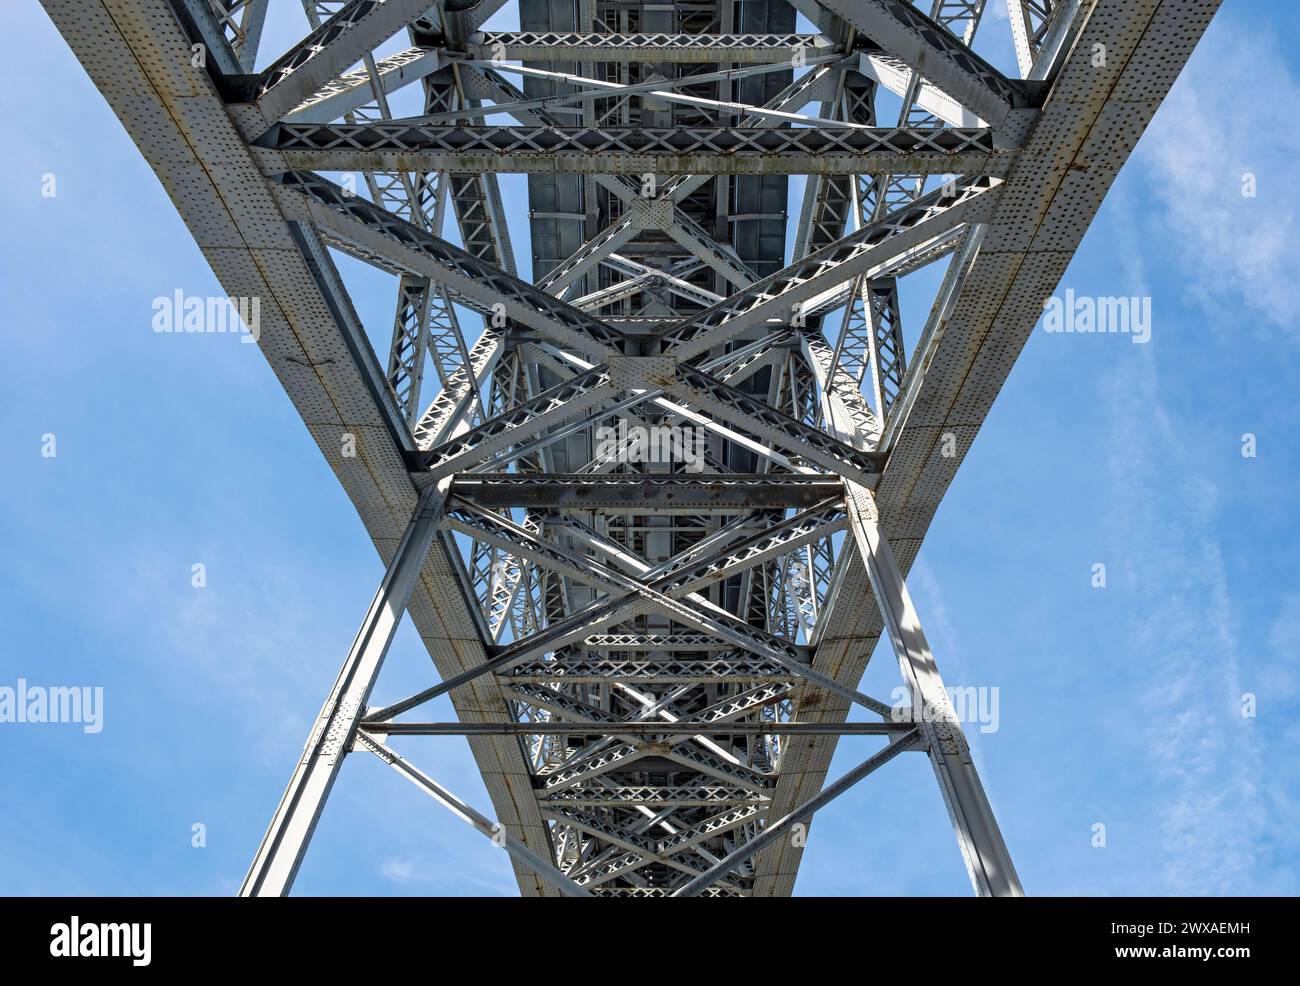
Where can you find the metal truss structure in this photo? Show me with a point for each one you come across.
(652, 655)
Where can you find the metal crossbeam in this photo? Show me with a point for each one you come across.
(638, 729)
(400, 146)
(622, 492)
(736, 49)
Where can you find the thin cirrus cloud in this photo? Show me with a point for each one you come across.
(1218, 130)
(1199, 754)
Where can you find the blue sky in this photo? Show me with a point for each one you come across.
(1118, 706)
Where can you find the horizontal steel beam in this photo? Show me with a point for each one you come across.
(399, 146)
(553, 728)
(641, 642)
(506, 99)
(677, 796)
(639, 493)
(733, 668)
(708, 49)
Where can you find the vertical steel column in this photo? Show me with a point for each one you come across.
(286, 839)
(987, 860)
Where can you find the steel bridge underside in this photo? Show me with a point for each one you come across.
(491, 506)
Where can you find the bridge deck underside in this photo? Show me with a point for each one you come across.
(619, 814)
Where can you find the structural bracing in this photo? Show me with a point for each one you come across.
(650, 491)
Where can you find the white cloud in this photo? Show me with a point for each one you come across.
(1202, 762)
(398, 869)
(1221, 123)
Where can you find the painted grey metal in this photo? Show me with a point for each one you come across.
(282, 849)
(988, 862)
(736, 49)
(927, 47)
(402, 146)
(677, 491)
(660, 493)
(493, 830)
(779, 827)
(641, 729)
